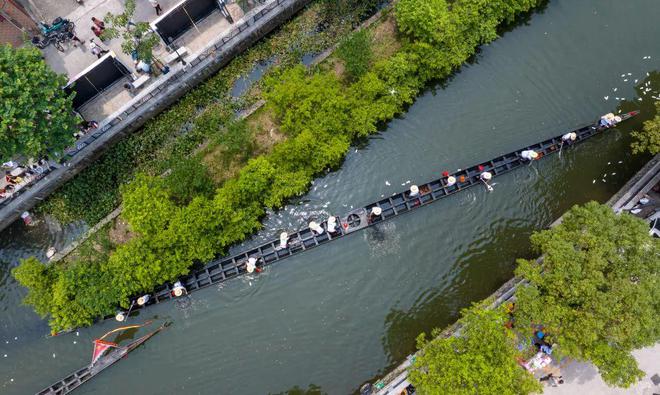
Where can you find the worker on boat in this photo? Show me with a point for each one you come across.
(178, 289)
(120, 316)
(414, 190)
(529, 155)
(251, 264)
(284, 239)
(142, 300)
(609, 120)
(568, 138)
(316, 228)
(485, 177)
(332, 224)
(451, 180)
(375, 213)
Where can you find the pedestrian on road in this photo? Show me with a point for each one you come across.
(99, 23)
(97, 31)
(96, 49)
(98, 27)
(157, 7)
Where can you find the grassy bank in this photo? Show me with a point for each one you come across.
(315, 113)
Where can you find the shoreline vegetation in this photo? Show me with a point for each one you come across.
(222, 174)
(593, 296)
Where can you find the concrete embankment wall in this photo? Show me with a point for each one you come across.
(253, 27)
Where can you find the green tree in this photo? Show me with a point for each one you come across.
(36, 114)
(148, 204)
(313, 102)
(38, 279)
(480, 359)
(597, 290)
(138, 36)
(648, 140)
(188, 178)
(355, 51)
(422, 19)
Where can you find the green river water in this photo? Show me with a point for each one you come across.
(346, 312)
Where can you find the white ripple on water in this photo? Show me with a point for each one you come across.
(383, 239)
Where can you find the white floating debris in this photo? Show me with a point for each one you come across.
(593, 182)
(77, 333)
(629, 73)
(636, 81)
(639, 99)
(626, 80)
(623, 98)
(613, 174)
(609, 163)
(75, 342)
(620, 161)
(387, 183)
(5, 355)
(623, 75)
(603, 180)
(403, 184)
(615, 89)
(617, 98)
(408, 182)
(53, 355)
(15, 337)
(606, 97)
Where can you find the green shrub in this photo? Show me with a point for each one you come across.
(355, 51)
(648, 140)
(188, 178)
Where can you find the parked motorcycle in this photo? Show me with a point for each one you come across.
(54, 38)
(56, 33)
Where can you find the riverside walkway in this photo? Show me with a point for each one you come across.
(225, 268)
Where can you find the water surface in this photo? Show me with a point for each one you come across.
(343, 313)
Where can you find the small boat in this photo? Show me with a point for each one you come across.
(105, 354)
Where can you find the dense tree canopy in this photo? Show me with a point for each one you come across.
(597, 290)
(480, 359)
(648, 140)
(36, 114)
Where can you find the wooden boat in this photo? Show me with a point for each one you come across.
(105, 354)
(224, 268)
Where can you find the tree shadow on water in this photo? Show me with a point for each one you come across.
(312, 389)
(479, 271)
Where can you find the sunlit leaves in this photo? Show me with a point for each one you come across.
(479, 359)
(36, 115)
(597, 290)
(648, 140)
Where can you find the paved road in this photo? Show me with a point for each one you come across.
(583, 379)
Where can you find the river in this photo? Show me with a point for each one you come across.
(346, 312)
